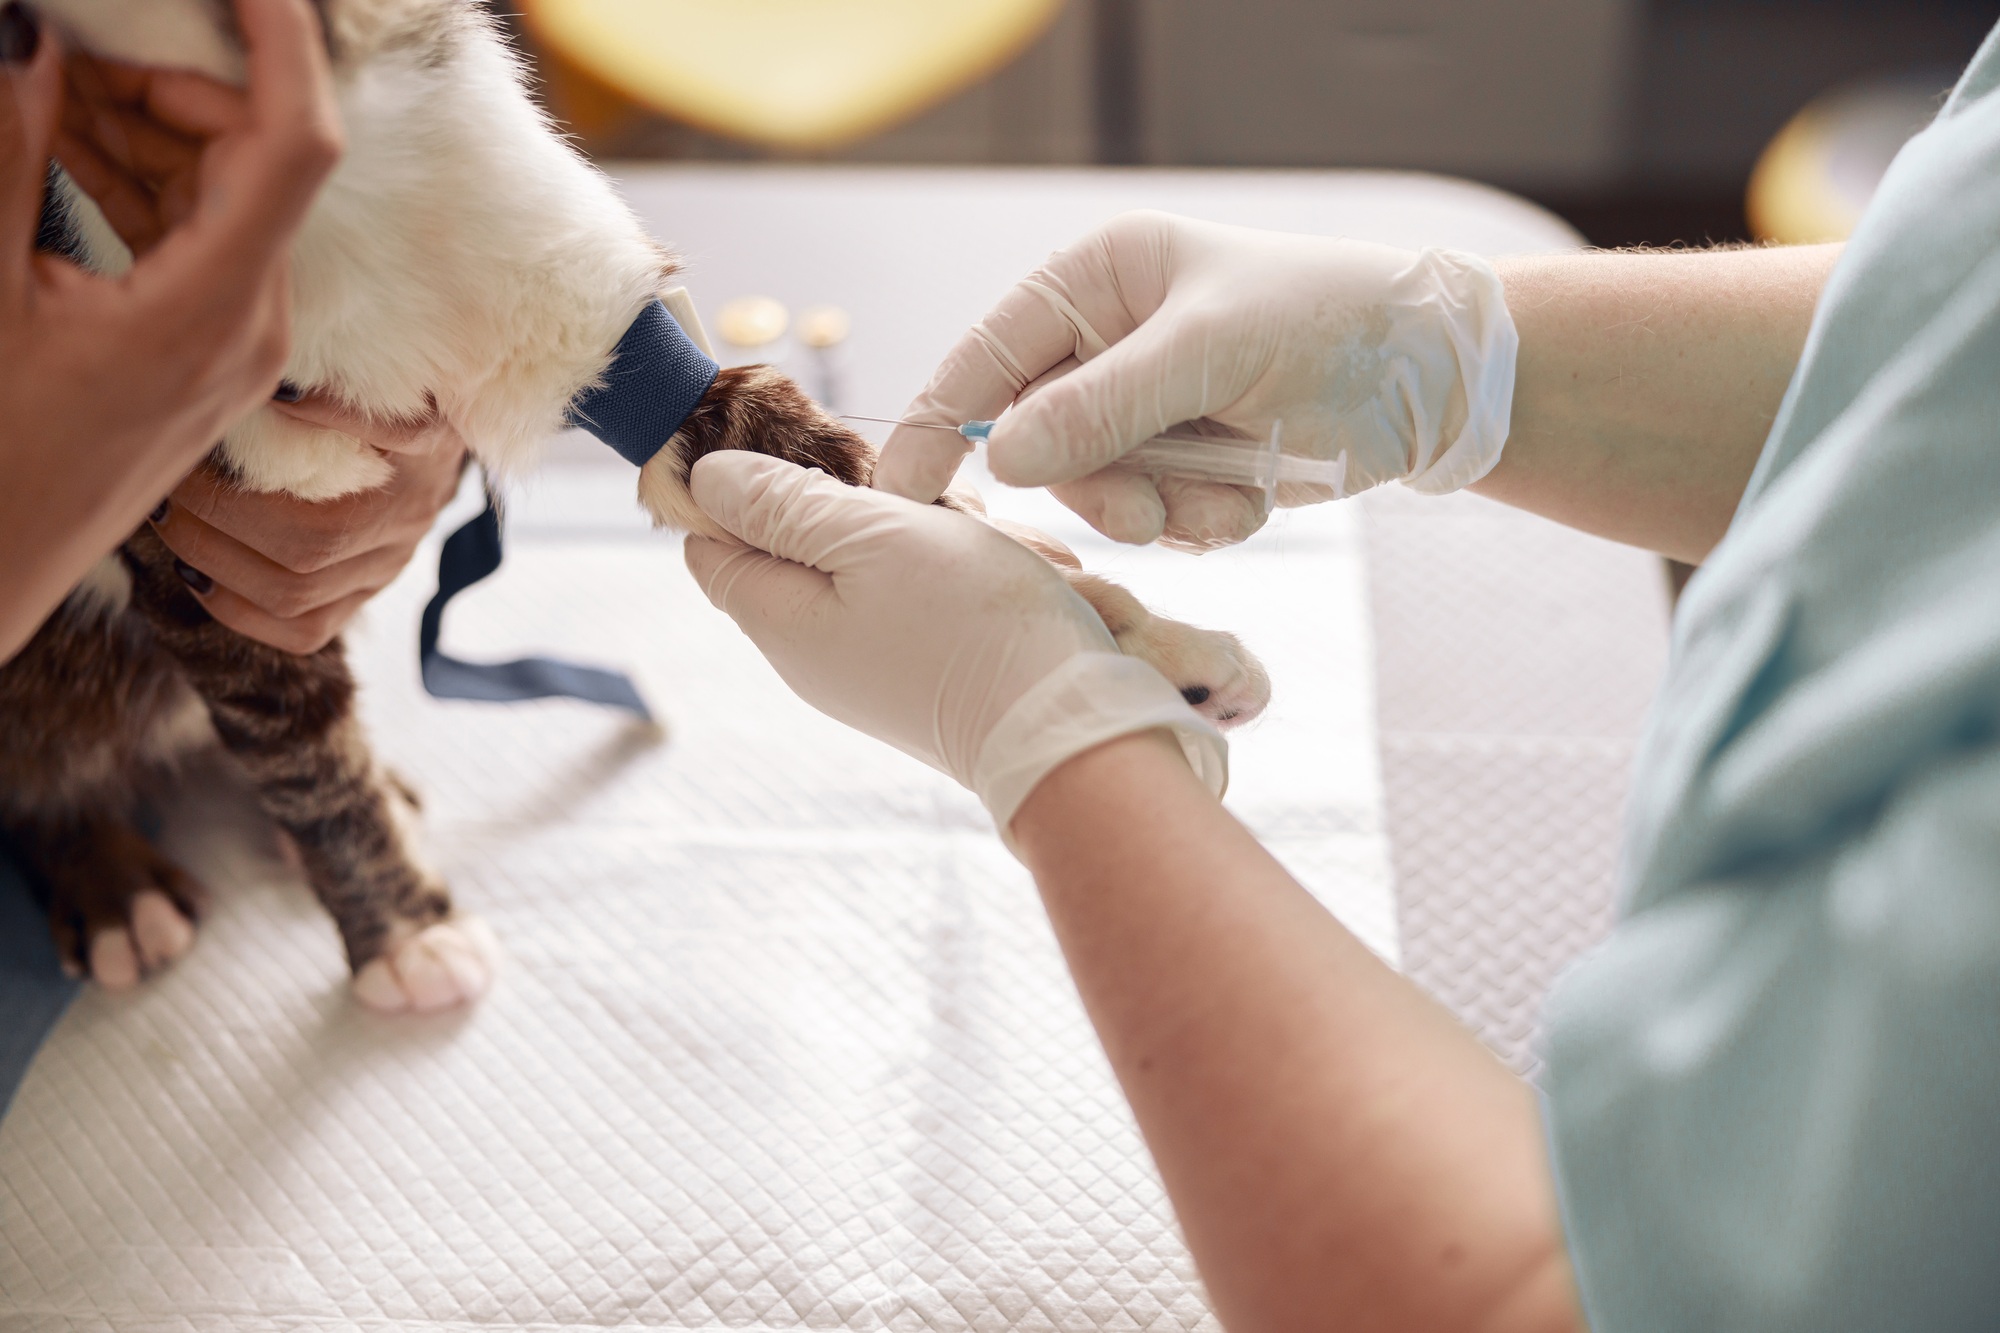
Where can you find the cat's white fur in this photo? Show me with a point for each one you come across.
(464, 253)
(461, 250)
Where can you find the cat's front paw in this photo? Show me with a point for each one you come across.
(434, 967)
(1214, 672)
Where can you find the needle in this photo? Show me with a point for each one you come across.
(971, 431)
(894, 421)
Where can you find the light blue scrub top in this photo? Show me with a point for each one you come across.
(1773, 1097)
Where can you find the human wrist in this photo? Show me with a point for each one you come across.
(1091, 698)
(1461, 301)
(1069, 802)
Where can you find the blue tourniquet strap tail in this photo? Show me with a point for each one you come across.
(656, 379)
(470, 554)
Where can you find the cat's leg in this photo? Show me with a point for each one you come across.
(89, 709)
(289, 720)
(1214, 672)
(118, 909)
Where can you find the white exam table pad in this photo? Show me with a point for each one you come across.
(782, 1039)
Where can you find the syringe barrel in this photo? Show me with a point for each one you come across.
(1236, 462)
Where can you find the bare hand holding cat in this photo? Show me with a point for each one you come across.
(275, 568)
(113, 387)
(293, 573)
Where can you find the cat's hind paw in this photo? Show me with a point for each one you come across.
(449, 963)
(156, 934)
(119, 911)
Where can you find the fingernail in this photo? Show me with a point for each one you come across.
(20, 35)
(194, 578)
(159, 512)
(288, 392)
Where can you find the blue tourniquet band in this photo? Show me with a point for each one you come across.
(656, 380)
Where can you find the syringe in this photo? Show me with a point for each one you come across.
(1182, 453)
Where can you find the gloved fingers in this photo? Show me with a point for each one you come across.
(1071, 310)
(759, 591)
(1020, 342)
(918, 463)
(1124, 506)
(1164, 373)
(1115, 279)
(792, 512)
(1206, 515)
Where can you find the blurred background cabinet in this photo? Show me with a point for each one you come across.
(1528, 91)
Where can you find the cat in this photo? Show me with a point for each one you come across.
(500, 328)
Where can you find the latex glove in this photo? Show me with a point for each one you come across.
(927, 629)
(293, 573)
(1403, 361)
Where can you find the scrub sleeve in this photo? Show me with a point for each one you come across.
(1773, 1097)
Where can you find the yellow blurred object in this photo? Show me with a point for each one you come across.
(1818, 175)
(796, 74)
(751, 321)
(824, 326)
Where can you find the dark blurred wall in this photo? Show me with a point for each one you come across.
(1516, 90)
(1637, 119)
(1714, 80)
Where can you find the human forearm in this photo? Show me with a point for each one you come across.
(1647, 384)
(66, 504)
(1334, 1144)
(112, 388)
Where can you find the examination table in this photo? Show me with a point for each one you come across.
(781, 1039)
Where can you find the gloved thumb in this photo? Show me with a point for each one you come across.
(759, 572)
(798, 514)
(761, 592)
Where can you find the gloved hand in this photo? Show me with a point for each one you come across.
(927, 629)
(1401, 360)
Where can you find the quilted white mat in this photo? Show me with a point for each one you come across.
(782, 1039)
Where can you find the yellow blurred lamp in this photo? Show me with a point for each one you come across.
(797, 74)
(1818, 175)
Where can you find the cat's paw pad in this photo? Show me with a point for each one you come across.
(1220, 678)
(156, 934)
(437, 967)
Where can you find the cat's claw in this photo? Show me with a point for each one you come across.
(442, 965)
